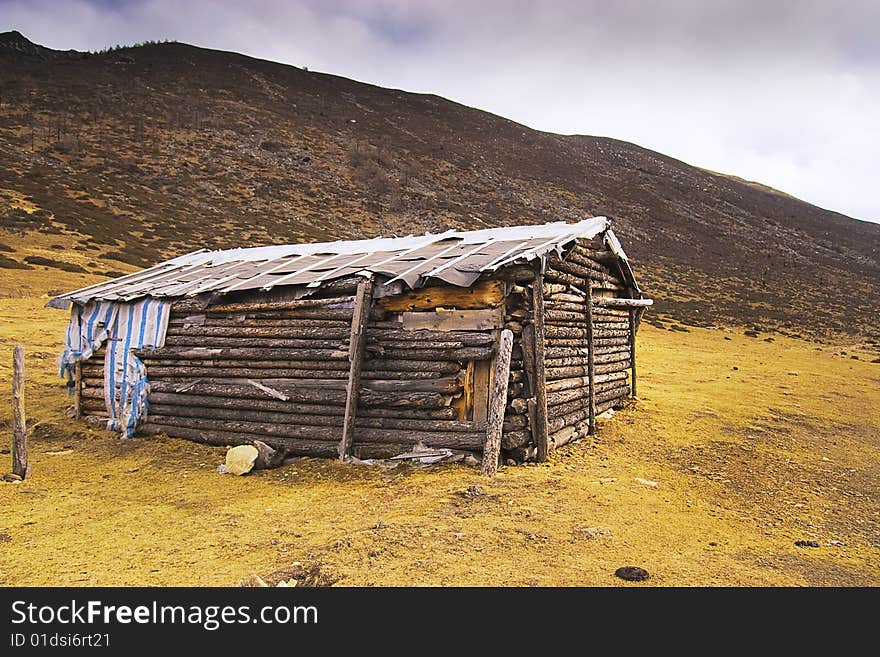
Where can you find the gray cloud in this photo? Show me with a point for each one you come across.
(785, 93)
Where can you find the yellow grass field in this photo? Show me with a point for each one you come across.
(753, 446)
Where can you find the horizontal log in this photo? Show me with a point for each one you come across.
(215, 414)
(577, 332)
(623, 303)
(307, 419)
(389, 374)
(611, 357)
(467, 338)
(583, 381)
(273, 332)
(564, 298)
(310, 370)
(583, 254)
(581, 342)
(569, 372)
(156, 364)
(225, 342)
(295, 359)
(296, 391)
(96, 405)
(279, 305)
(564, 315)
(171, 399)
(462, 354)
(261, 323)
(279, 318)
(459, 439)
(239, 353)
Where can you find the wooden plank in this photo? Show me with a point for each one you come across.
(464, 405)
(497, 404)
(357, 344)
(19, 425)
(539, 431)
(591, 365)
(482, 386)
(454, 320)
(528, 351)
(77, 390)
(632, 348)
(484, 294)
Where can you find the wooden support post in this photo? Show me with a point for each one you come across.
(540, 432)
(591, 365)
(77, 390)
(19, 428)
(497, 404)
(632, 349)
(357, 343)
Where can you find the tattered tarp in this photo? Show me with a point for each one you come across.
(124, 327)
(455, 257)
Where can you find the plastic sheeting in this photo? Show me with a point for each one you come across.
(124, 327)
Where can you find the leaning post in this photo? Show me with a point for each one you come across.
(19, 427)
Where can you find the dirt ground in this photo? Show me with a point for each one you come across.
(753, 445)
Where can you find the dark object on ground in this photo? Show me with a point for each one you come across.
(751, 334)
(632, 573)
(812, 544)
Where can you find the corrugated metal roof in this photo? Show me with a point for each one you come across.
(457, 257)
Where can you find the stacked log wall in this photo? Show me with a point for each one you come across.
(588, 270)
(278, 371)
(92, 403)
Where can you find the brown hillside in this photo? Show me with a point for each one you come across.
(151, 151)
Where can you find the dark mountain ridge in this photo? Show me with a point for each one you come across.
(159, 149)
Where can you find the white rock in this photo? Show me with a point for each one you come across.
(652, 484)
(240, 460)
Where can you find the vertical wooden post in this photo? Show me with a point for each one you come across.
(19, 428)
(497, 403)
(591, 367)
(540, 432)
(632, 349)
(77, 390)
(357, 343)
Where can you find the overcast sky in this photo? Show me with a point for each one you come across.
(786, 93)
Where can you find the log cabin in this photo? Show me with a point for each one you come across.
(504, 342)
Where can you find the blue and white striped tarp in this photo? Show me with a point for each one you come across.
(125, 326)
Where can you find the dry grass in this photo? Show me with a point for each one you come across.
(748, 460)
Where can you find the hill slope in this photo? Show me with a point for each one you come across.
(146, 152)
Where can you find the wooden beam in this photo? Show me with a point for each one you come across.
(540, 432)
(497, 404)
(484, 294)
(19, 426)
(613, 302)
(591, 365)
(271, 306)
(632, 348)
(77, 389)
(362, 301)
(454, 320)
